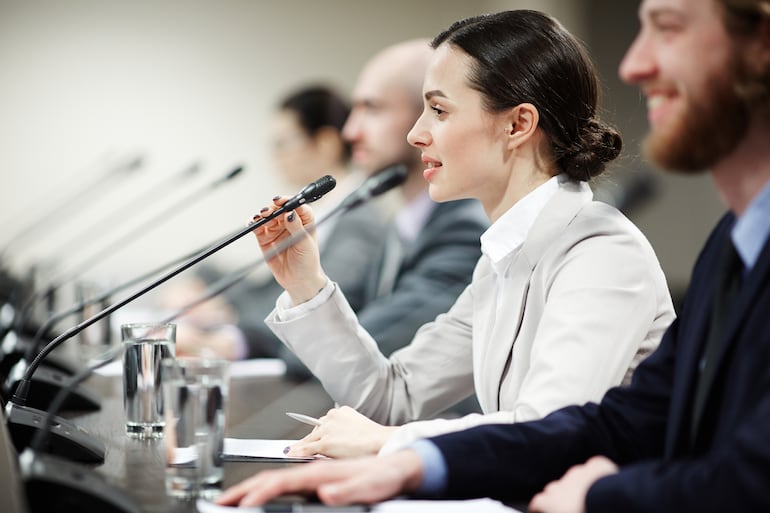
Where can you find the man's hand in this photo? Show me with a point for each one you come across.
(363, 480)
(568, 494)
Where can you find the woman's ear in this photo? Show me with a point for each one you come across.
(522, 122)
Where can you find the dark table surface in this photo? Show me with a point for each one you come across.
(256, 409)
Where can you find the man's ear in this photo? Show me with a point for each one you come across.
(756, 56)
(522, 122)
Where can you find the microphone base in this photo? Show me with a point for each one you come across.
(65, 439)
(46, 383)
(53, 484)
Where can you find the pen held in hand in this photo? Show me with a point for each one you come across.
(306, 419)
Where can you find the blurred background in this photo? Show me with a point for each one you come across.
(88, 88)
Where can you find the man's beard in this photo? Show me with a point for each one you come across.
(709, 129)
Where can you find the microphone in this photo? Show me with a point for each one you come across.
(68, 440)
(53, 482)
(146, 226)
(73, 203)
(310, 192)
(13, 349)
(112, 247)
(118, 214)
(375, 185)
(378, 183)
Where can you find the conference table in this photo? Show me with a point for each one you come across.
(256, 409)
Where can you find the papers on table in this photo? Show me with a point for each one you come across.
(417, 506)
(241, 449)
(256, 367)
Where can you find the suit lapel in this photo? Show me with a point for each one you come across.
(751, 287)
(692, 337)
(507, 311)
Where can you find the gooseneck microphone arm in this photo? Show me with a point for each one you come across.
(379, 183)
(118, 213)
(72, 204)
(172, 209)
(65, 277)
(310, 193)
(81, 305)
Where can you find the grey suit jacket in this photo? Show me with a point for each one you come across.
(347, 255)
(582, 302)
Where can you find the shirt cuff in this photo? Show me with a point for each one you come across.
(434, 475)
(286, 312)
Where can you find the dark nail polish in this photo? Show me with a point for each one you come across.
(290, 218)
(264, 209)
(276, 198)
(286, 450)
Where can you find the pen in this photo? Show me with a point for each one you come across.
(307, 419)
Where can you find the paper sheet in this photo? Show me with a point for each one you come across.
(239, 369)
(243, 448)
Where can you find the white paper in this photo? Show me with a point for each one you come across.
(421, 506)
(258, 448)
(184, 455)
(257, 367)
(241, 369)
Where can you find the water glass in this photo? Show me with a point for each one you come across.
(146, 345)
(195, 393)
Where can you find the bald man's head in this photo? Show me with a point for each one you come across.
(387, 100)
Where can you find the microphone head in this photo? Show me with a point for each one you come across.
(133, 164)
(311, 192)
(378, 183)
(193, 169)
(387, 179)
(229, 176)
(232, 174)
(319, 188)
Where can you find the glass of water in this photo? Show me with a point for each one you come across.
(146, 345)
(195, 393)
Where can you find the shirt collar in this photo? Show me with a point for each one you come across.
(411, 219)
(752, 229)
(509, 232)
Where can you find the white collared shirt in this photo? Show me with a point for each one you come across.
(501, 241)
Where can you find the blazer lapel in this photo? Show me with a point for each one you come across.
(692, 337)
(752, 284)
(508, 309)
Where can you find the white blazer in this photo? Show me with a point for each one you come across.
(582, 304)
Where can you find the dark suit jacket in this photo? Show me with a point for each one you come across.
(435, 269)
(646, 427)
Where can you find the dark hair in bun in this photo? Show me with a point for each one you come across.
(526, 56)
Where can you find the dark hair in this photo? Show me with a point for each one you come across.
(526, 56)
(318, 107)
(744, 18)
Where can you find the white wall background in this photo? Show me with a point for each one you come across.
(86, 84)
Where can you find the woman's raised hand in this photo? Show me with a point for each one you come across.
(298, 268)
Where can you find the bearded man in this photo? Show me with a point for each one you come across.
(692, 431)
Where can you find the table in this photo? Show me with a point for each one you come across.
(256, 409)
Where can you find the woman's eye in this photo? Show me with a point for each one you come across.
(437, 110)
